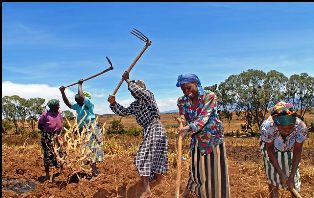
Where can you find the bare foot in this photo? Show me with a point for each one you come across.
(146, 194)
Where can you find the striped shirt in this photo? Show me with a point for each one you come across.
(144, 108)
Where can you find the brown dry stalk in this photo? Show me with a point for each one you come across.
(71, 148)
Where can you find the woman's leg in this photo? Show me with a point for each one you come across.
(273, 191)
(145, 182)
(95, 171)
(45, 147)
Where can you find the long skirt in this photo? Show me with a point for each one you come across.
(208, 176)
(95, 145)
(48, 140)
(285, 163)
(152, 155)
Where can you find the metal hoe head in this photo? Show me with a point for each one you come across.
(140, 35)
(109, 62)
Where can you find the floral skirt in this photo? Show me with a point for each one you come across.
(95, 145)
(48, 140)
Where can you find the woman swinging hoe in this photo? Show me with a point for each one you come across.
(152, 156)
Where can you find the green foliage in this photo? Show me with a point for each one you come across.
(15, 108)
(252, 93)
(133, 131)
(300, 92)
(171, 126)
(68, 114)
(32, 134)
(116, 127)
(7, 125)
(29, 134)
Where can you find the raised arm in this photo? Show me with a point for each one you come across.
(64, 97)
(136, 91)
(117, 108)
(80, 89)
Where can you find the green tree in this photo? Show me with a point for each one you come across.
(12, 108)
(300, 92)
(274, 88)
(68, 114)
(116, 127)
(35, 107)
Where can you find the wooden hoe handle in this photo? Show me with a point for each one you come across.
(179, 160)
(132, 65)
(295, 193)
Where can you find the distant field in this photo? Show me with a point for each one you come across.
(168, 120)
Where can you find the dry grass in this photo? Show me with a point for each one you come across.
(71, 148)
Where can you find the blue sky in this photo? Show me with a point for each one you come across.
(49, 44)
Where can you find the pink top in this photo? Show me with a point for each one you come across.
(51, 121)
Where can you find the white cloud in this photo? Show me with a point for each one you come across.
(167, 104)
(47, 92)
(28, 91)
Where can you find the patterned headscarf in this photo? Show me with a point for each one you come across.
(53, 102)
(86, 94)
(189, 78)
(283, 113)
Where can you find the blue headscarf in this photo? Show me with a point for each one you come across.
(189, 78)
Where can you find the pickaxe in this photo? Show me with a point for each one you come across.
(93, 76)
(179, 160)
(148, 42)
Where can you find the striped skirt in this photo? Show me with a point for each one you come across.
(152, 155)
(209, 173)
(285, 163)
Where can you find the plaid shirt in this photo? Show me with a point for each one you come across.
(144, 108)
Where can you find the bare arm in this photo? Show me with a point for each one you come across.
(297, 150)
(112, 100)
(64, 97)
(80, 89)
